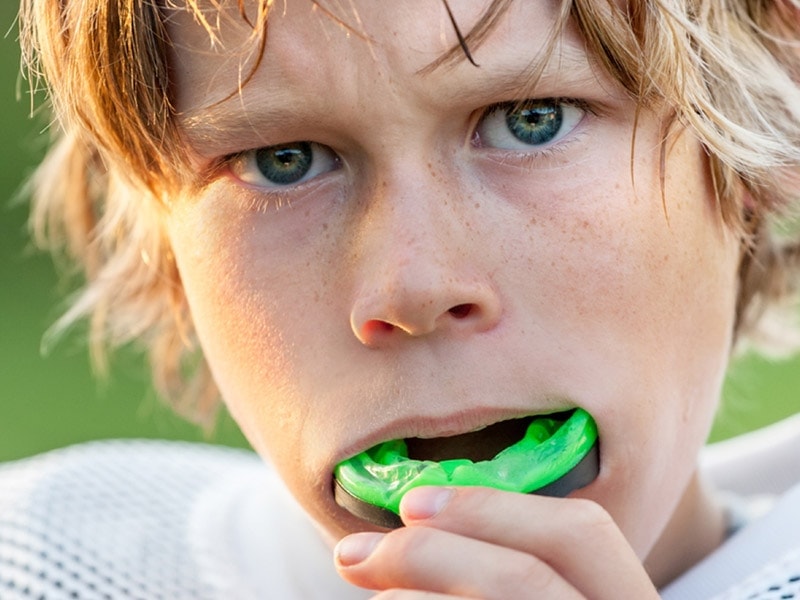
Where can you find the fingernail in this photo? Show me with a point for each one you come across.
(355, 548)
(425, 502)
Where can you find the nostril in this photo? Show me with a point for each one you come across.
(460, 311)
(376, 326)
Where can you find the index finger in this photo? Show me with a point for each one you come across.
(576, 537)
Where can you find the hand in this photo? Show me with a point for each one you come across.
(482, 543)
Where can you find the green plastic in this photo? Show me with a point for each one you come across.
(550, 448)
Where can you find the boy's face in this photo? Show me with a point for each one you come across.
(447, 260)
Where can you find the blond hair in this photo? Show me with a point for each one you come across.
(729, 70)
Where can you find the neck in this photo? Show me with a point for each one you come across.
(696, 529)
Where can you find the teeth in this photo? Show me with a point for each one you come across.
(434, 437)
(560, 415)
(482, 443)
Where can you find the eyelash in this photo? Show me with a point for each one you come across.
(528, 155)
(529, 151)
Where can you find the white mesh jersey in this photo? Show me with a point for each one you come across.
(149, 520)
(761, 562)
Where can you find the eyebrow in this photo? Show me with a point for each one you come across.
(224, 124)
(565, 64)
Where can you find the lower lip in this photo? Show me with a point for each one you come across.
(554, 458)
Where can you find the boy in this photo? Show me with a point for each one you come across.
(378, 229)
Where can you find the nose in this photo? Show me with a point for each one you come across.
(423, 270)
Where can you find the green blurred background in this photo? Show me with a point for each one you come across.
(51, 401)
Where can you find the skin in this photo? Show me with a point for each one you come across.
(430, 283)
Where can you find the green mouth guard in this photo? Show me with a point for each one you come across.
(558, 454)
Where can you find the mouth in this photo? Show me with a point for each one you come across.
(477, 446)
(545, 454)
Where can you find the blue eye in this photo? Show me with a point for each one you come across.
(285, 164)
(521, 125)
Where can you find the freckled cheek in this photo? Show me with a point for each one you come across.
(619, 274)
(257, 310)
(232, 316)
(613, 237)
(580, 253)
(656, 298)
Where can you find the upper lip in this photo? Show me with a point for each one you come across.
(434, 426)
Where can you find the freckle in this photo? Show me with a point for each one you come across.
(477, 205)
(325, 226)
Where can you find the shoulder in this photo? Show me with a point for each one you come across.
(147, 456)
(114, 478)
(760, 462)
(112, 517)
(766, 554)
(153, 520)
(761, 562)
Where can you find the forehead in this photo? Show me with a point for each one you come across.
(314, 54)
(370, 20)
(400, 37)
